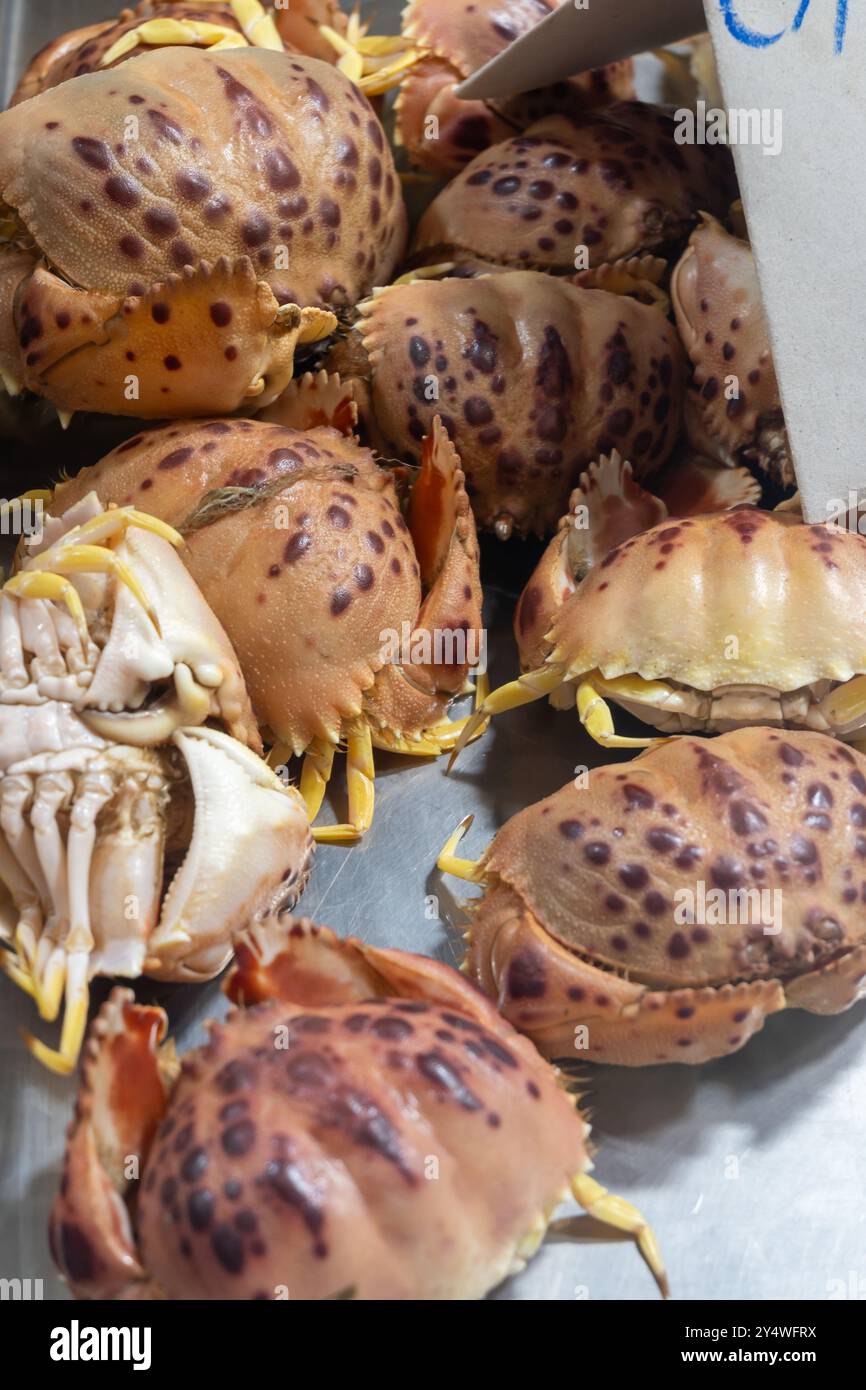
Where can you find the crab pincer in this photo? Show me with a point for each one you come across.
(363, 1125)
(127, 744)
(661, 910)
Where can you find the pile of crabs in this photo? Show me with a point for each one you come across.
(204, 245)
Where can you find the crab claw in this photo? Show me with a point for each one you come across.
(312, 400)
(248, 854)
(123, 1094)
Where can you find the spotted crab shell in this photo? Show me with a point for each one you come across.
(789, 593)
(237, 154)
(304, 578)
(82, 50)
(460, 37)
(586, 921)
(371, 1128)
(721, 320)
(614, 181)
(534, 377)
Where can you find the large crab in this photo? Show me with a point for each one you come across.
(447, 41)
(709, 623)
(578, 192)
(607, 507)
(153, 23)
(364, 1125)
(138, 827)
(297, 540)
(734, 404)
(175, 226)
(659, 910)
(532, 375)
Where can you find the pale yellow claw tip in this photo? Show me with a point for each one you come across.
(41, 584)
(257, 24)
(48, 1056)
(146, 522)
(622, 1216)
(449, 863)
(174, 33)
(94, 559)
(15, 971)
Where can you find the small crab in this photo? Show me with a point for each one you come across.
(606, 508)
(296, 538)
(451, 40)
(153, 23)
(191, 217)
(291, 1155)
(138, 826)
(533, 377)
(710, 623)
(720, 317)
(608, 184)
(662, 910)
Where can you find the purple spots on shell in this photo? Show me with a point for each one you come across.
(164, 128)
(161, 222)
(94, 153)
(255, 229)
(132, 246)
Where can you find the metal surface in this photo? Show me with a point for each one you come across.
(751, 1169)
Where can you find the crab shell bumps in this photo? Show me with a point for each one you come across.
(613, 181)
(117, 687)
(191, 216)
(297, 540)
(709, 623)
(533, 377)
(662, 911)
(292, 1156)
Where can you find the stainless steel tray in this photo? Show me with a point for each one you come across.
(751, 1169)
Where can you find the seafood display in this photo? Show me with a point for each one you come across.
(293, 1150)
(128, 746)
(590, 937)
(317, 380)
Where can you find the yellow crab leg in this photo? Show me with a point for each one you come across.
(159, 33)
(450, 863)
(41, 584)
(92, 559)
(617, 1212)
(63, 1060)
(846, 704)
(315, 774)
(368, 59)
(117, 521)
(596, 718)
(257, 24)
(16, 972)
(532, 686)
(360, 773)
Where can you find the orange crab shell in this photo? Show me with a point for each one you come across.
(721, 320)
(613, 181)
(295, 1149)
(237, 153)
(309, 574)
(533, 378)
(457, 39)
(82, 50)
(585, 920)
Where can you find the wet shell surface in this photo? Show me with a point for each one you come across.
(592, 914)
(533, 377)
(615, 182)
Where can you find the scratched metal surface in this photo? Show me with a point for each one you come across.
(751, 1169)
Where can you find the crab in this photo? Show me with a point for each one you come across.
(735, 401)
(608, 507)
(191, 217)
(363, 1125)
(662, 909)
(578, 192)
(709, 623)
(296, 538)
(532, 375)
(153, 23)
(445, 43)
(128, 762)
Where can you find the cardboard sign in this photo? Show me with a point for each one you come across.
(798, 68)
